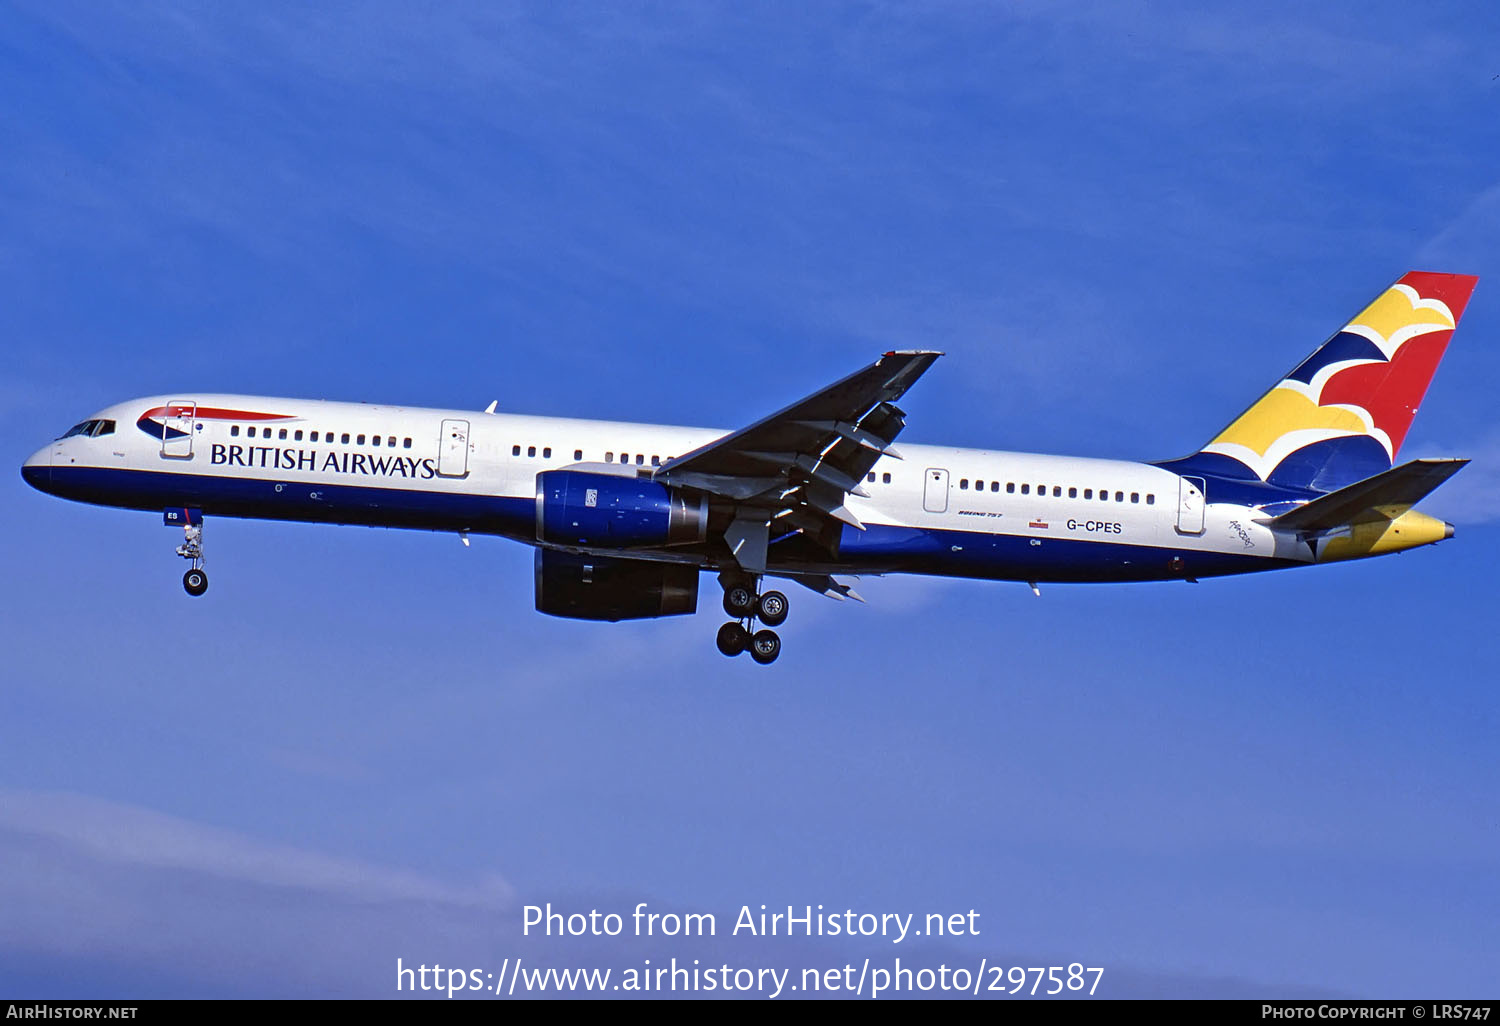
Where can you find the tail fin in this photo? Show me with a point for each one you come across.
(1343, 413)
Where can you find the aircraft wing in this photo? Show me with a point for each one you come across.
(794, 468)
(1399, 488)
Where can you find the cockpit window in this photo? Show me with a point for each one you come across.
(91, 428)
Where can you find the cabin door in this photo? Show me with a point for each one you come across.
(1190, 505)
(177, 426)
(453, 449)
(935, 493)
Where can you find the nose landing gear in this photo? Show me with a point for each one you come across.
(195, 581)
(742, 602)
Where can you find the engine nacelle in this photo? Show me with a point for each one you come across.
(597, 588)
(575, 507)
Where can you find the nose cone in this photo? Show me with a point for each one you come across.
(37, 471)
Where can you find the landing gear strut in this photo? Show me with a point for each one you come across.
(195, 581)
(742, 602)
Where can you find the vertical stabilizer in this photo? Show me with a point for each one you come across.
(1342, 414)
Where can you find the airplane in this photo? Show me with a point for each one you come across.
(625, 517)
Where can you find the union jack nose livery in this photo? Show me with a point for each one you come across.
(625, 518)
(175, 420)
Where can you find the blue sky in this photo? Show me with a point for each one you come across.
(1120, 221)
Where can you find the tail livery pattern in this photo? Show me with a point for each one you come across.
(1343, 413)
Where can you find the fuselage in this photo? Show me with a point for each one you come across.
(941, 510)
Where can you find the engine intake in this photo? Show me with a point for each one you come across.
(575, 507)
(599, 588)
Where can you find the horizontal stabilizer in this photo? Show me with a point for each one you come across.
(1390, 493)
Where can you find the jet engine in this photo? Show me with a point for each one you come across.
(599, 588)
(575, 507)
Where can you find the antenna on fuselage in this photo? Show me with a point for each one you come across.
(491, 407)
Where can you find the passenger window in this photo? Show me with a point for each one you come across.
(979, 486)
(531, 450)
(577, 455)
(870, 477)
(375, 440)
(360, 440)
(344, 438)
(1057, 491)
(964, 484)
(1119, 496)
(1103, 495)
(1150, 499)
(1010, 487)
(1088, 493)
(391, 441)
(282, 435)
(609, 457)
(234, 430)
(547, 453)
(1072, 493)
(656, 461)
(298, 436)
(640, 459)
(1026, 489)
(406, 443)
(885, 478)
(1135, 496)
(515, 450)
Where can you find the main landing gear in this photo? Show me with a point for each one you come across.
(195, 581)
(742, 603)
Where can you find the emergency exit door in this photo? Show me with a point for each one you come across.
(453, 449)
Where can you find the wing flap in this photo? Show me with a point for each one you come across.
(810, 425)
(798, 465)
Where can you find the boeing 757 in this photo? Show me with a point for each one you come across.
(626, 517)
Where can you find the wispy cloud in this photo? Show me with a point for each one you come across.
(1467, 243)
(106, 896)
(139, 837)
(1473, 496)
